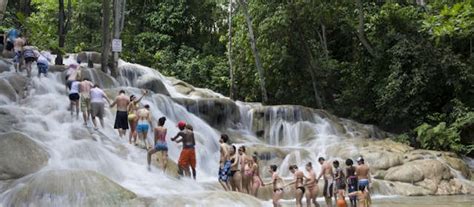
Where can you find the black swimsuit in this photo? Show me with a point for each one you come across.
(232, 172)
(301, 187)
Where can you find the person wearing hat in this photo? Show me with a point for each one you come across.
(187, 158)
(363, 175)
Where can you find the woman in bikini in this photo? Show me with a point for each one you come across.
(277, 184)
(256, 180)
(299, 185)
(160, 145)
(246, 167)
(132, 117)
(235, 175)
(311, 185)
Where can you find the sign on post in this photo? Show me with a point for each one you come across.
(116, 45)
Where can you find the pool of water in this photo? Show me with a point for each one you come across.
(415, 201)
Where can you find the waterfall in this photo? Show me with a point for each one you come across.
(282, 135)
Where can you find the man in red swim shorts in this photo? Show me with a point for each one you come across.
(187, 157)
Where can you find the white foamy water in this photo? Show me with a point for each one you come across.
(44, 116)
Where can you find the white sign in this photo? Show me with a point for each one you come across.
(116, 45)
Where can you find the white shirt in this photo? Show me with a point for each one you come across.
(44, 57)
(97, 95)
(75, 87)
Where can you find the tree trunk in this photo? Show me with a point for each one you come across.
(119, 15)
(256, 55)
(61, 16)
(3, 8)
(360, 30)
(229, 54)
(313, 66)
(322, 39)
(105, 34)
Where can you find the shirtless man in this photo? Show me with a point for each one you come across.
(187, 158)
(326, 171)
(299, 185)
(18, 48)
(85, 95)
(363, 176)
(224, 162)
(144, 124)
(121, 118)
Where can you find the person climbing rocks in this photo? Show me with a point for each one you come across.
(326, 171)
(97, 105)
(340, 180)
(44, 57)
(257, 181)
(10, 38)
(85, 90)
(277, 184)
(29, 56)
(363, 176)
(74, 98)
(311, 186)
(160, 144)
(121, 118)
(224, 162)
(18, 45)
(72, 74)
(187, 158)
(144, 124)
(235, 175)
(132, 109)
(246, 169)
(351, 181)
(299, 184)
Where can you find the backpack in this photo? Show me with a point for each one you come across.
(29, 53)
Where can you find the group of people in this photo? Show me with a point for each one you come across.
(131, 116)
(25, 54)
(240, 172)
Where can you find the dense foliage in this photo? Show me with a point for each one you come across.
(414, 75)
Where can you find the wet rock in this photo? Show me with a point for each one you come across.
(5, 65)
(153, 84)
(171, 166)
(458, 164)
(218, 113)
(189, 90)
(12, 85)
(93, 57)
(419, 170)
(8, 54)
(70, 188)
(57, 68)
(7, 120)
(98, 77)
(212, 199)
(20, 156)
(398, 188)
(7, 90)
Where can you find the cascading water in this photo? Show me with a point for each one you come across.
(282, 135)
